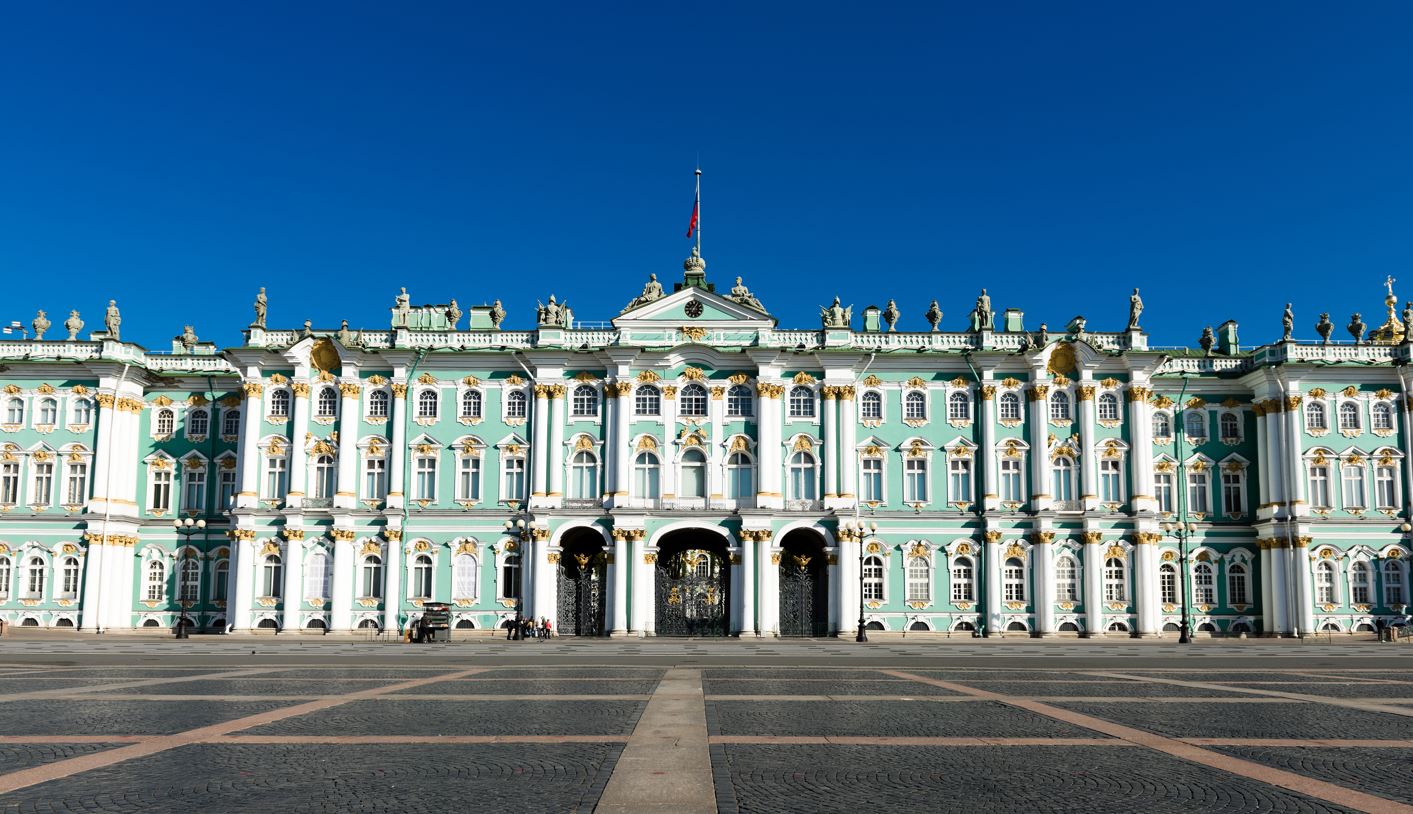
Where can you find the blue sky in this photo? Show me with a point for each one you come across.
(1226, 157)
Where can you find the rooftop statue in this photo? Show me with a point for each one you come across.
(453, 315)
(742, 295)
(497, 314)
(113, 320)
(891, 315)
(1356, 328)
(652, 292)
(1207, 340)
(1135, 308)
(188, 338)
(553, 314)
(402, 309)
(836, 316)
(260, 307)
(934, 316)
(40, 325)
(344, 335)
(982, 317)
(73, 325)
(1076, 326)
(1287, 323)
(1407, 322)
(308, 329)
(1324, 328)
(1042, 337)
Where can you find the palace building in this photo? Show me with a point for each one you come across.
(694, 469)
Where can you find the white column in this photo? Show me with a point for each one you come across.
(769, 585)
(1145, 581)
(251, 417)
(835, 614)
(668, 483)
(299, 458)
(539, 456)
(294, 583)
(748, 580)
(1267, 610)
(1093, 584)
(1305, 584)
(123, 568)
(1295, 472)
(642, 608)
(398, 464)
(1280, 587)
(830, 430)
(991, 561)
(93, 583)
(1041, 499)
(622, 564)
(341, 603)
(991, 495)
(544, 579)
(738, 588)
(1263, 469)
(621, 407)
(1043, 576)
(554, 452)
(392, 581)
(105, 457)
(244, 594)
(1274, 475)
(848, 459)
(769, 495)
(1089, 476)
(346, 495)
(716, 459)
(849, 584)
(1140, 427)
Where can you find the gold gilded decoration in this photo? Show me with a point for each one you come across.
(988, 392)
(648, 377)
(872, 381)
(803, 444)
(964, 549)
(650, 558)
(693, 374)
(1062, 359)
(324, 356)
(693, 332)
(1085, 392)
(1038, 392)
(350, 390)
(583, 442)
(1015, 550)
(669, 392)
(342, 535)
(514, 380)
(992, 536)
(769, 391)
(738, 378)
(916, 382)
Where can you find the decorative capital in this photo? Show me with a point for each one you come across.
(1038, 392)
(992, 536)
(253, 390)
(1085, 392)
(392, 535)
(343, 535)
(350, 390)
(293, 534)
(1139, 394)
(1042, 537)
(556, 391)
(300, 389)
(1091, 537)
(988, 392)
(242, 535)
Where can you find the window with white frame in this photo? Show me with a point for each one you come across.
(693, 475)
(1393, 583)
(164, 423)
(9, 483)
(276, 478)
(1320, 486)
(510, 577)
(1349, 415)
(871, 480)
(1204, 584)
(919, 579)
(220, 580)
(647, 400)
(76, 485)
(1354, 493)
(32, 580)
(1230, 427)
(1059, 406)
(226, 487)
(48, 412)
(427, 402)
(1359, 588)
(585, 402)
(692, 401)
(1386, 486)
(4, 577)
(15, 411)
(198, 423)
(1115, 580)
(802, 470)
(915, 480)
(1238, 584)
(871, 406)
(516, 404)
(959, 480)
(583, 476)
(963, 580)
(1013, 580)
(1066, 579)
(647, 476)
(1315, 418)
(915, 405)
(1194, 424)
(801, 402)
(1062, 478)
(512, 484)
(230, 422)
(80, 411)
(1162, 425)
(68, 579)
(272, 577)
(471, 405)
(1111, 480)
(371, 571)
(740, 402)
(279, 404)
(959, 406)
(1199, 489)
(1108, 404)
(1009, 407)
(1326, 589)
(740, 477)
(463, 576)
(194, 491)
(155, 581)
(421, 583)
(161, 489)
(378, 403)
(375, 478)
(1233, 492)
(42, 493)
(1381, 416)
(318, 575)
(1167, 584)
(873, 578)
(326, 403)
(323, 476)
(424, 484)
(468, 478)
(1011, 480)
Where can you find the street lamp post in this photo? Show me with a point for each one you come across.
(519, 527)
(186, 529)
(857, 529)
(1181, 531)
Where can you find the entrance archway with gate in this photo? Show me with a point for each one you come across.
(693, 582)
(582, 578)
(804, 584)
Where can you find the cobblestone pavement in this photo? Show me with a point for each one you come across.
(286, 732)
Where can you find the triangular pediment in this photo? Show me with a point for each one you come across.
(677, 309)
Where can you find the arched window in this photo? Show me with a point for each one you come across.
(693, 480)
(1315, 416)
(471, 404)
(81, 411)
(1204, 585)
(1349, 415)
(647, 400)
(1167, 584)
(1326, 589)
(1359, 593)
(48, 412)
(692, 401)
(963, 584)
(1393, 583)
(740, 480)
(801, 402)
(873, 578)
(1059, 406)
(1162, 425)
(1063, 478)
(1381, 416)
(919, 579)
(421, 587)
(69, 577)
(188, 579)
(15, 411)
(427, 404)
(1066, 580)
(272, 577)
(1115, 580)
(1238, 592)
(198, 423)
(1194, 424)
(585, 403)
(372, 573)
(325, 476)
(1230, 427)
(1013, 580)
(915, 405)
(4, 577)
(156, 581)
(166, 422)
(463, 582)
(1010, 407)
(740, 402)
(647, 480)
(32, 579)
(510, 577)
(378, 404)
(230, 422)
(220, 577)
(279, 404)
(871, 406)
(1108, 407)
(317, 576)
(515, 404)
(584, 476)
(326, 404)
(802, 476)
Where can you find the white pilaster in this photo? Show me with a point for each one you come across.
(621, 408)
(341, 603)
(555, 453)
(1145, 582)
(986, 459)
(346, 495)
(398, 465)
(769, 495)
(849, 584)
(1043, 575)
(1089, 475)
(244, 567)
(299, 457)
(392, 581)
(848, 458)
(829, 429)
(294, 584)
(1040, 497)
(1093, 585)
(1140, 427)
(716, 457)
(539, 440)
(769, 584)
(991, 561)
(544, 581)
(251, 417)
(622, 564)
(642, 606)
(748, 582)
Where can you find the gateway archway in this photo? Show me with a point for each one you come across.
(693, 581)
(582, 579)
(804, 584)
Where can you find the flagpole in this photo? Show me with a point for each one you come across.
(699, 211)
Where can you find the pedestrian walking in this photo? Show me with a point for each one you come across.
(549, 629)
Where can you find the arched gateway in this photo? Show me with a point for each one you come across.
(693, 580)
(582, 579)
(804, 585)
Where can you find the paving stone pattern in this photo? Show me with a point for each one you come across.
(1385, 772)
(98, 717)
(1279, 720)
(626, 686)
(885, 719)
(746, 686)
(1097, 689)
(17, 756)
(409, 716)
(260, 686)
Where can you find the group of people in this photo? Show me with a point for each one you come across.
(530, 629)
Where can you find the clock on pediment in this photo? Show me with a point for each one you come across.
(693, 309)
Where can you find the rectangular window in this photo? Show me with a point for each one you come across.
(1011, 480)
(226, 487)
(1233, 503)
(959, 480)
(915, 480)
(425, 479)
(1385, 487)
(43, 484)
(1197, 492)
(1111, 489)
(276, 478)
(194, 497)
(1236, 586)
(161, 489)
(1163, 487)
(1167, 585)
(375, 479)
(77, 490)
(871, 487)
(9, 483)
(1320, 487)
(1354, 496)
(468, 478)
(513, 479)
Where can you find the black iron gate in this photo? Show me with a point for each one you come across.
(581, 589)
(804, 595)
(691, 594)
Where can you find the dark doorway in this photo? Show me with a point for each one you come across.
(583, 572)
(804, 585)
(693, 578)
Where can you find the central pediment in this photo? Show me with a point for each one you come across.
(694, 306)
